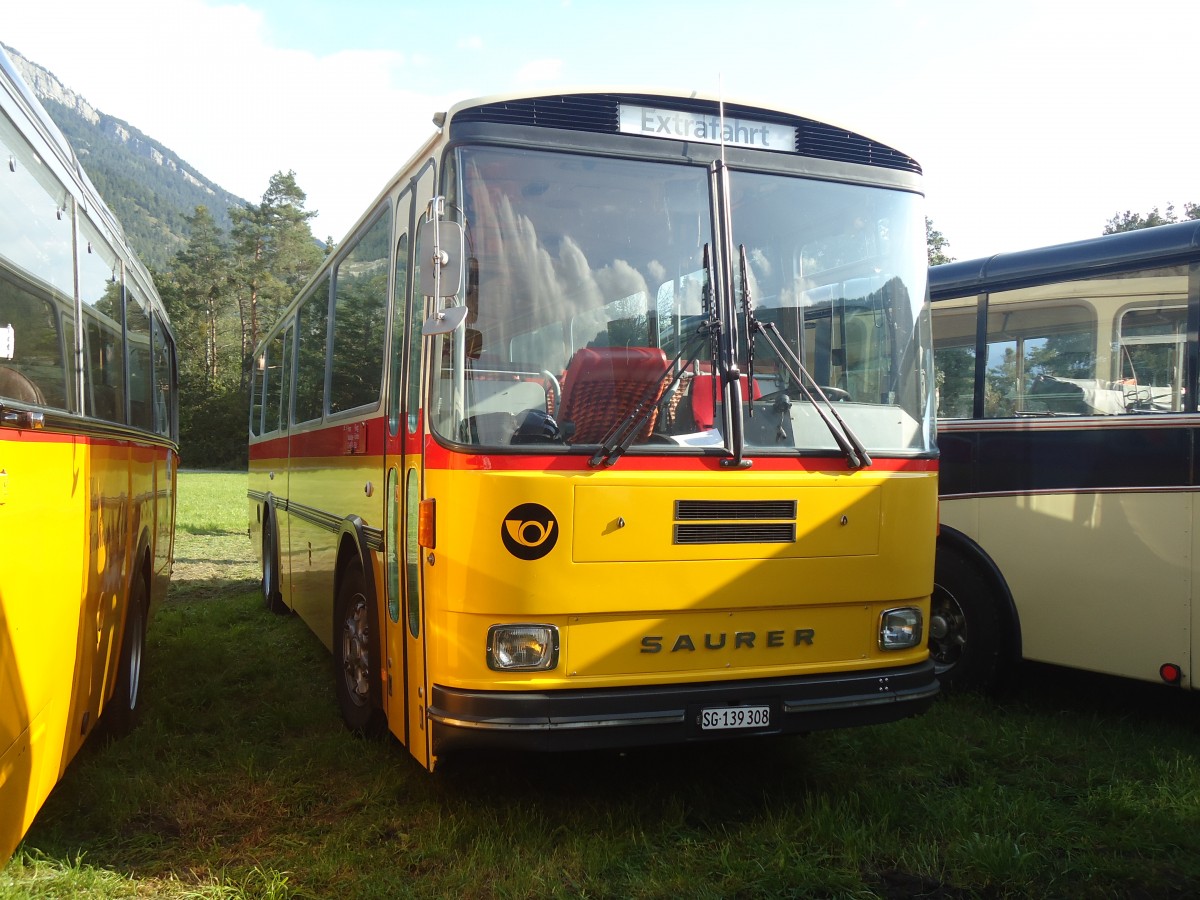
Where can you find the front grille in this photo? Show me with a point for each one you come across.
(735, 509)
(735, 522)
(736, 533)
(578, 112)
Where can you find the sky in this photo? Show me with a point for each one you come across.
(1035, 121)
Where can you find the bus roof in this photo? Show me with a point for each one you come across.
(1109, 253)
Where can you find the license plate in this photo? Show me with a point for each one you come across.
(724, 717)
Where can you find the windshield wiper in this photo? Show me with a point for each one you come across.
(849, 443)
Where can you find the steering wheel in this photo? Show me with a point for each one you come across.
(836, 394)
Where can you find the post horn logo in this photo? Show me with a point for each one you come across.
(529, 531)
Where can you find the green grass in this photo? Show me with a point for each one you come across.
(242, 783)
(211, 503)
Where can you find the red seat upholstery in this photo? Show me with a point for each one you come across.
(604, 384)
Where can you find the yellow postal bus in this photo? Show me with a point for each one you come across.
(609, 424)
(87, 460)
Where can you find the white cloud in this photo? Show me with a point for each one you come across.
(233, 106)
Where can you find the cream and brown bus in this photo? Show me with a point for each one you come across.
(1067, 422)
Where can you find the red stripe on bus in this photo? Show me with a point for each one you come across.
(369, 438)
(31, 436)
(440, 457)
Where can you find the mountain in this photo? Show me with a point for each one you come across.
(148, 187)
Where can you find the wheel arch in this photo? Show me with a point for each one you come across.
(354, 547)
(267, 512)
(143, 568)
(951, 540)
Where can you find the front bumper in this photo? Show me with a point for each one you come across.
(595, 718)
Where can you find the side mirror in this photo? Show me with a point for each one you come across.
(440, 253)
(444, 322)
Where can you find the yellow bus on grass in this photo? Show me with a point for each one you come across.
(1066, 381)
(87, 460)
(611, 424)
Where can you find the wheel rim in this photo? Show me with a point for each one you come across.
(268, 580)
(136, 636)
(356, 657)
(947, 630)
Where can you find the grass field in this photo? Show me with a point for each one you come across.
(241, 782)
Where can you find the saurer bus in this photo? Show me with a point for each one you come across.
(611, 424)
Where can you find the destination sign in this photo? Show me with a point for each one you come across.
(688, 126)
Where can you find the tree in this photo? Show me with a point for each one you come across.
(276, 254)
(935, 245)
(222, 294)
(200, 298)
(199, 290)
(1131, 221)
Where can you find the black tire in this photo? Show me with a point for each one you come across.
(965, 625)
(271, 592)
(122, 712)
(356, 656)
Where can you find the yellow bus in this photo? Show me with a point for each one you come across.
(1066, 381)
(87, 460)
(611, 424)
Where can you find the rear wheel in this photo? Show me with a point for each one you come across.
(965, 634)
(122, 711)
(356, 656)
(271, 592)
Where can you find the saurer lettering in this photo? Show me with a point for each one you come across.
(747, 640)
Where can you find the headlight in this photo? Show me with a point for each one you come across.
(522, 647)
(900, 629)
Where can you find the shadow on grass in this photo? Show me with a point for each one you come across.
(212, 564)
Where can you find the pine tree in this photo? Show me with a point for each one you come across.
(201, 290)
(276, 255)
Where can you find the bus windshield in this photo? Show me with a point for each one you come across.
(590, 303)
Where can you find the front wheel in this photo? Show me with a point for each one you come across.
(356, 656)
(964, 625)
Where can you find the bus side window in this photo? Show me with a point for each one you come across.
(140, 377)
(312, 321)
(101, 293)
(1152, 344)
(163, 394)
(359, 319)
(1041, 360)
(31, 366)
